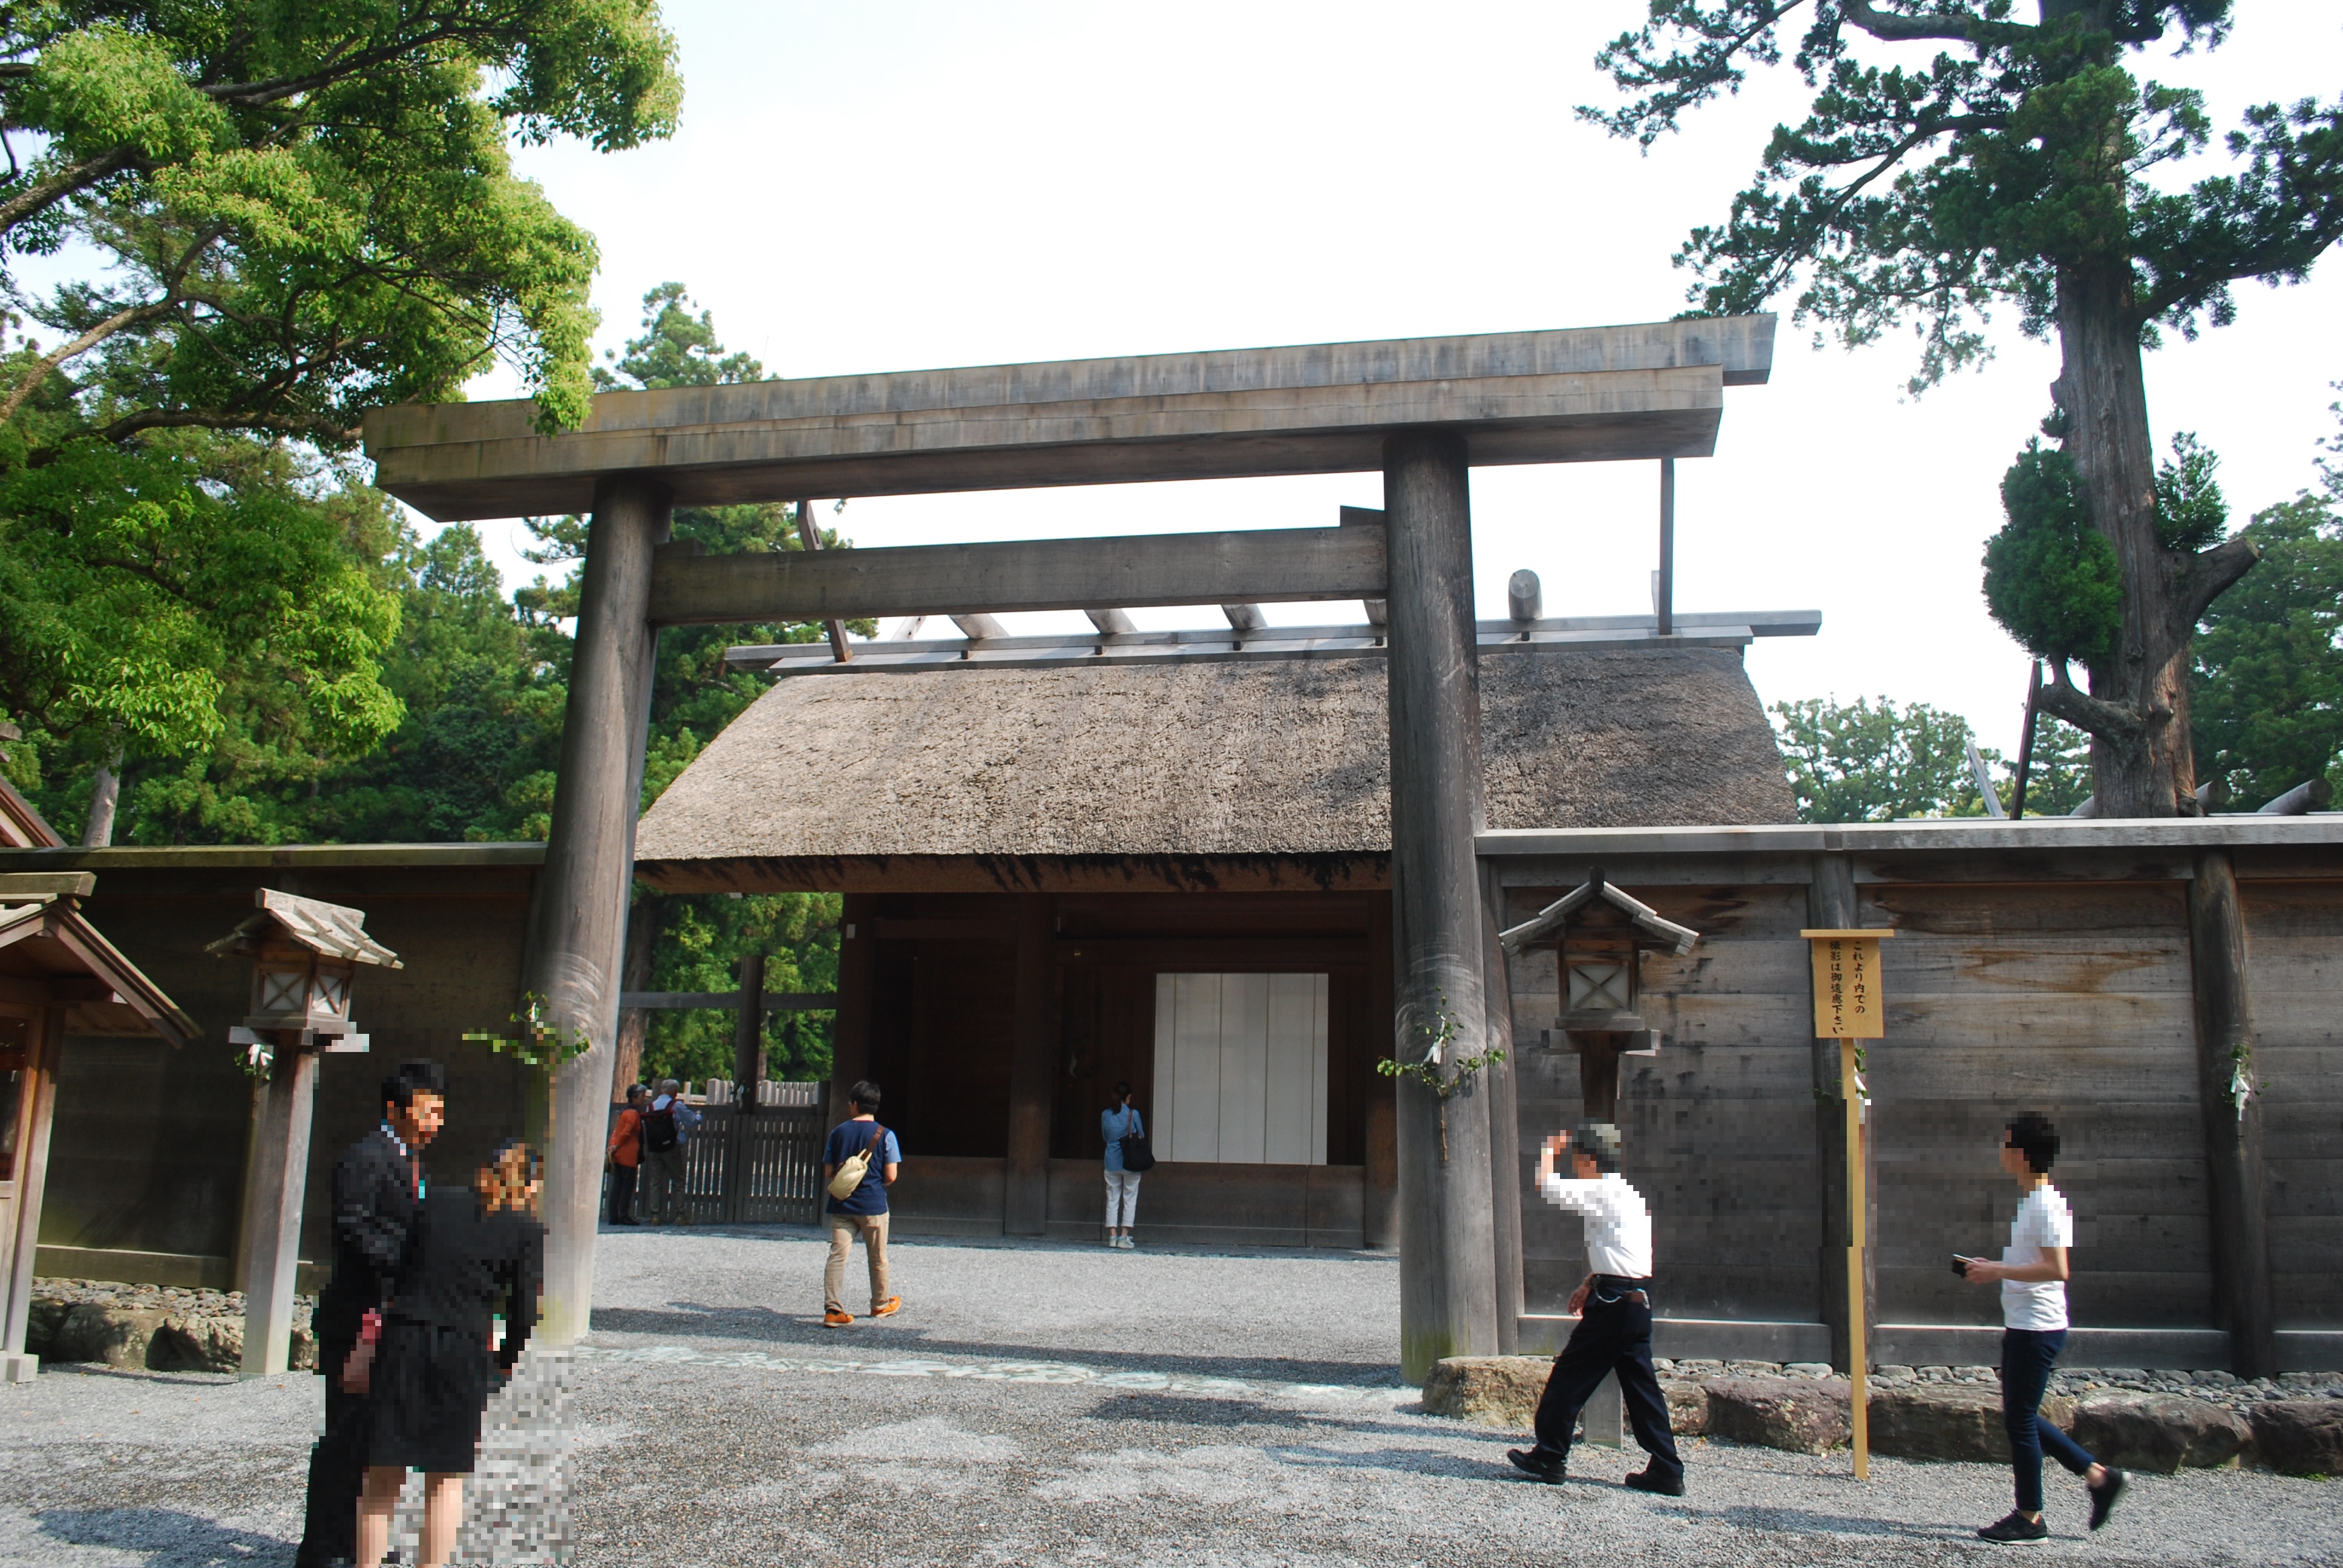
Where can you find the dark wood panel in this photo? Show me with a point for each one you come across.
(2150, 910)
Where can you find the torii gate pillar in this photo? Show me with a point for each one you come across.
(1448, 1285)
(578, 924)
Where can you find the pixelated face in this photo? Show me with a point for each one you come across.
(420, 1122)
(2013, 1160)
(1583, 1164)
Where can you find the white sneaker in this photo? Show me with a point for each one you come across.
(1124, 1242)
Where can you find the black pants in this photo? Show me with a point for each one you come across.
(622, 1194)
(337, 1472)
(1614, 1336)
(2027, 1357)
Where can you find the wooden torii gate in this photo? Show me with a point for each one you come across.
(1422, 411)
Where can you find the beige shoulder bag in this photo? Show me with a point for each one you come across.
(856, 1168)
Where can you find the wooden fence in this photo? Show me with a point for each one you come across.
(763, 1169)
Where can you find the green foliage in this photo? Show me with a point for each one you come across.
(2268, 704)
(2191, 513)
(294, 213)
(2058, 775)
(1928, 193)
(1863, 762)
(702, 938)
(196, 593)
(2050, 579)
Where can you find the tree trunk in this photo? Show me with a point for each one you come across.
(105, 794)
(2145, 769)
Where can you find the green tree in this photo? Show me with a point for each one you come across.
(294, 213)
(194, 601)
(2268, 707)
(1866, 762)
(2014, 167)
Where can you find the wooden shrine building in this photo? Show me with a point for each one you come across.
(1174, 874)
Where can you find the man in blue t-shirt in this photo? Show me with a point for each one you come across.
(863, 1210)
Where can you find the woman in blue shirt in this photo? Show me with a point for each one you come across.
(1116, 1122)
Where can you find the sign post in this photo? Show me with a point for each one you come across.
(1848, 1007)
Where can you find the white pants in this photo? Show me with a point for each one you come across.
(1122, 1190)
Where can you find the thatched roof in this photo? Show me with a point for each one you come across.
(1273, 758)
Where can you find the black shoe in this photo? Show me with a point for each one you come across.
(1651, 1479)
(2106, 1494)
(1538, 1467)
(2016, 1527)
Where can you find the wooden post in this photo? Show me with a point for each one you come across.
(858, 979)
(578, 917)
(2229, 1092)
(1850, 1005)
(809, 536)
(1448, 1304)
(1032, 1051)
(1831, 906)
(749, 1032)
(272, 1227)
(1859, 1321)
(1504, 1124)
(1663, 607)
(36, 1111)
(2025, 740)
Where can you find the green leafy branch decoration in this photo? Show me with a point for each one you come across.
(543, 1045)
(1438, 1035)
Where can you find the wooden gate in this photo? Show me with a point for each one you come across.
(763, 1169)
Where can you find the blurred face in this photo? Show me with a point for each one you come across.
(420, 1121)
(2013, 1160)
(1582, 1163)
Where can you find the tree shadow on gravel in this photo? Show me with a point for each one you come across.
(1419, 1462)
(169, 1538)
(685, 1320)
(1198, 1410)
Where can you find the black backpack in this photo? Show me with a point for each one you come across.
(659, 1129)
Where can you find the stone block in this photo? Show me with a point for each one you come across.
(1688, 1408)
(2300, 1436)
(45, 1317)
(2158, 1432)
(121, 1337)
(1949, 1422)
(1487, 1390)
(1802, 1415)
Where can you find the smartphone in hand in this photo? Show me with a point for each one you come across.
(1961, 1265)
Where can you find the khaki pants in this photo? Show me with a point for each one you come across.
(662, 1199)
(842, 1228)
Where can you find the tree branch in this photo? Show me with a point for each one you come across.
(2092, 715)
(2205, 577)
(64, 183)
(46, 366)
(1890, 28)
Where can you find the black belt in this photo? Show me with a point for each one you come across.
(1610, 1289)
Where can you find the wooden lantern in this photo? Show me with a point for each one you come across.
(304, 953)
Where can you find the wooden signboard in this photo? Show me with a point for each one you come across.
(1849, 1006)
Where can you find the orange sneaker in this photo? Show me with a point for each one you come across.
(888, 1307)
(838, 1320)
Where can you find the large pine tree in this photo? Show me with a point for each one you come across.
(1956, 156)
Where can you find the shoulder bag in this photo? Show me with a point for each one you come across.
(1136, 1156)
(856, 1168)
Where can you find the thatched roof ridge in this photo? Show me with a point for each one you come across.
(1285, 758)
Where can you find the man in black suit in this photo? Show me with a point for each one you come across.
(377, 1187)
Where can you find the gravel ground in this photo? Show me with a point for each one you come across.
(1051, 1405)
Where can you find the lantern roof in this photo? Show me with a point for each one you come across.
(1552, 921)
(334, 930)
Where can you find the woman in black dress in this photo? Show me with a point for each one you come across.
(472, 1254)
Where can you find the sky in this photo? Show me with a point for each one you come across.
(862, 189)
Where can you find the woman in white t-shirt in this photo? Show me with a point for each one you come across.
(2032, 1277)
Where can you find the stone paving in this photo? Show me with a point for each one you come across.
(1037, 1405)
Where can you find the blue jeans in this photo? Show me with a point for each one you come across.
(2027, 1357)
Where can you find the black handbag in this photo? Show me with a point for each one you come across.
(1136, 1156)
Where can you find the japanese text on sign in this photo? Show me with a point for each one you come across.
(1847, 1002)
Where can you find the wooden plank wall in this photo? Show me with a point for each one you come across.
(2071, 999)
(2294, 952)
(1717, 1129)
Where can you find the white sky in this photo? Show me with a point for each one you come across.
(860, 188)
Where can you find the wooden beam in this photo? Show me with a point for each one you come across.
(2229, 1094)
(1112, 622)
(1664, 605)
(1032, 1060)
(748, 1034)
(1592, 394)
(1245, 616)
(1255, 565)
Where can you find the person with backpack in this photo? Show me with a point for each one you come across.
(666, 1125)
(859, 1163)
(1126, 1158)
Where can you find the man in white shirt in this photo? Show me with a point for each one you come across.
(1613, 1308)
(2032, 1275)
